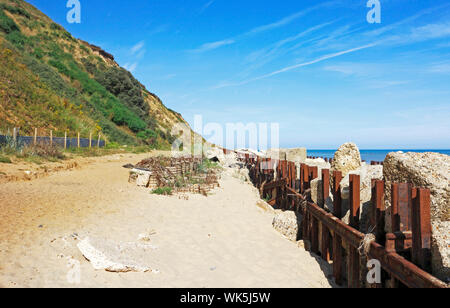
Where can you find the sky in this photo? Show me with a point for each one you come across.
(318, 68)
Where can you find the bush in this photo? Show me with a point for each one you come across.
(148, 135)
(125, 87)
(43, 150)
(7, 25)
(5, 160)
(15, 10)
(165, 191)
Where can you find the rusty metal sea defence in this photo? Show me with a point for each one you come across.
(404, 254)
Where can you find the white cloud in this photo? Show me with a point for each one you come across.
(282, 22)
(137, 47)
(213, 45)
(131, 66)
(292, 67)
(206, 6)
(441, 68)
(431, 31)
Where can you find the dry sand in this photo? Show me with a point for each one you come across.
(223, 240)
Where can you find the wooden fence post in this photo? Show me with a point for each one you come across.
(337, 201)
(354, 200)
(65, 140)
(51, 138)
(35, 137)
(14, 135)
(421, 230)
(78, 140)
(90, 140)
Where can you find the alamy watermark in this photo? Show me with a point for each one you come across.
(374, 15)
(74, 14)
(255, 136)
(374, 273)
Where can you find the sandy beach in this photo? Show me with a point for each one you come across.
(223, 240)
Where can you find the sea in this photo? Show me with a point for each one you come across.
(370, 155)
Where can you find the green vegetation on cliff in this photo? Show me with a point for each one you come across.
(50, 80)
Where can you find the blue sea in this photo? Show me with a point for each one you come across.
(370, 155)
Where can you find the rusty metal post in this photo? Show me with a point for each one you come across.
(305, 177)
(325, 243)
(378, 210)
(337, 201)
(325, 186)
(353, 266)
(401, 205)
(337, 259)
(314, 235)
(305, 228)
(421, 230)
(354, 200)
(314, 173)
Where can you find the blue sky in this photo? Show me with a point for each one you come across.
(316, 67)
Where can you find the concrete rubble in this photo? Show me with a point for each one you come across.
(113, 257)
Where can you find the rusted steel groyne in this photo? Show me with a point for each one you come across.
(404, 254)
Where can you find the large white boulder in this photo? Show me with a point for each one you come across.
(347, 158)
(288, 224)
(317, 195)
(279, 154)
(431, 171)
(295, 154)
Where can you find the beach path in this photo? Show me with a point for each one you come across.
(223, 240)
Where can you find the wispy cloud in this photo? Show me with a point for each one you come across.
(271, 50)
(206, 6)
(431, 31)
(137, 47)
(131, 67)
(440, 68)
(260, 29)
(282, 22)
(381, 84)
(292, 67)
(356, 69)
(213, 45)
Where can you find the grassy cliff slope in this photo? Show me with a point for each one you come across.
(51, 80)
